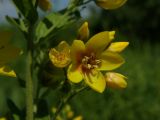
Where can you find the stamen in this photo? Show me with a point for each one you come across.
(95, 66)
(98, 61)
(89, 66)
(86, 57)
(83, 60)
(90, 62)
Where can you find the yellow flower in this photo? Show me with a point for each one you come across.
(45, 5)
(69, 112)
(3, 118)
(78, 118)
(83, 32)
(110, 4)
(115, 80)
(60, 57)
(7, 53)
(91, 58)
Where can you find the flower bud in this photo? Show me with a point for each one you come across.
(110, 4)
(115, 80)
(83, 32)
(45, 5)
(60, 57)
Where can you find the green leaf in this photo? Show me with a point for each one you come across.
(16, 117)
(19, 23)
(13, 108)
(50, 24)
(27, 9)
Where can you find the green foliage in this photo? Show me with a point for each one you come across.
(51, 24)
(27, 9)
(19, 23)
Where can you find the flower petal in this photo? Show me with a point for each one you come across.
(59, 59)
(118, 46)
(115, 80)
(100, 41)
(95, 81)
(5, 70)
(77, 50)
(63, 46)
(110, 60)
(110, 4)
(83, 32)
(74, 75)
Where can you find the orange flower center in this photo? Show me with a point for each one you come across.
(90, 62)
(60, 56)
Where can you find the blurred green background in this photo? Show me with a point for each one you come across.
(137, 22)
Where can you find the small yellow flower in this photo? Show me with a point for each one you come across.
(60, 57)
(91, 58)
(70, 114)
(115, 80)
(68, 111)
(3, 118)
(110, 4)
(78, 118)
(83, 32)
(7, 53)
(45, 5)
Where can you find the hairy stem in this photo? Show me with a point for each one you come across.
(29, 88)
(29, 76)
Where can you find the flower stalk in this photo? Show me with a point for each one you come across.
(29, 89)
(29, 81)
(66, 99)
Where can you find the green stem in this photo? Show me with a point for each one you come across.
(29, 88)
(29, 76)
(65, 100)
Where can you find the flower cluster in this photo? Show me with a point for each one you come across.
(68, 114)
(88, 61)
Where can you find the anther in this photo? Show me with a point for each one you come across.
(89, 66)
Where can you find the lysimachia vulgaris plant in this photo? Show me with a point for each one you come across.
(67, 66)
